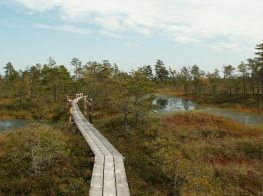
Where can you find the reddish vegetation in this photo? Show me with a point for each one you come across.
(112, 115)
(225, 159)
(190, 121)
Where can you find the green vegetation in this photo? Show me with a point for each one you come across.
(182, 154)
(40, 160)
(189, 153)
(36, 93)
(42, 89)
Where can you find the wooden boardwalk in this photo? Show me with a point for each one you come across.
(108, 176)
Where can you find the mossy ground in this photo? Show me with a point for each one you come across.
(43, 160)
(189, 153)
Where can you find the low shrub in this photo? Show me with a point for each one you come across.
(40, 160)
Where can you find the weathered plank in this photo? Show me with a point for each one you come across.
(108, 176)
(111, 148)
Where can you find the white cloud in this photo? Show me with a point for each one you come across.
(185, 39)
(110, 34)
(229, 47)
(64, 28)
(129, 45)
(110, 24)
(183, 21)
(135, 20)
(232, 47)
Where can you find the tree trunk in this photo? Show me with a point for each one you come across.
(213, 87)
(126, 119)
(244, 85)
(230, 86)
(55, 93)
(20, 99)
(253, 90)
(257, 86)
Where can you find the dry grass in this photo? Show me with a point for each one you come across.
(190, 153)
(170, 91)
(234, 151)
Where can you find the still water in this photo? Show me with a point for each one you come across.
(170, 104)
(12, 124)
(15, 123)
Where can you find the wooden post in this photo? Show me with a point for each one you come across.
(70, 108)
(67, 104)
(90, 108)
(85, 105)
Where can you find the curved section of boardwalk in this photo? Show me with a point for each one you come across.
(108, 176)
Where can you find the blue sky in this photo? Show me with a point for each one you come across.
(130, 33)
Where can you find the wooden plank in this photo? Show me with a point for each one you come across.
(95, 191)
(96, 185)
(108, 145)
(90, 138)
(97, 182)
(109, 187)
(121, 179)
(95, 149)
(108, 176)
(98, 143)
(123, 190)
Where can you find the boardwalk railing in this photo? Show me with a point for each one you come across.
(108, 176)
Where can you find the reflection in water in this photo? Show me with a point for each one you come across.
(169, 104)
(162, 102)
(174, 104)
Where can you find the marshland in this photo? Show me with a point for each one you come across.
(186, 149)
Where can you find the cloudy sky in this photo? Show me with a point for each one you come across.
(131, 33)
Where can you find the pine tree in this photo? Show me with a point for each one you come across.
(254, 69)
(141, 90)
(77, 64)
(161, 72)
(242, 68)
(11, 75)
(195, 71)
(259, 62)
(228, 74)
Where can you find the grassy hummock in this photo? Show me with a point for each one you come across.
(189, 153)
(43, 160)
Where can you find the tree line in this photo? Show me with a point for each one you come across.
(246, 78)
(42, 89)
